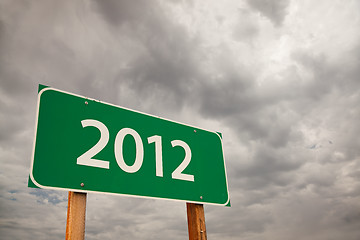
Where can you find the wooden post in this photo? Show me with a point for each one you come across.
(196, 221)
(75, 224)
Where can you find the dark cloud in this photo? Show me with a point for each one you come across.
(167, 65)
(146, 217)
(122, 12)
(275, 10)
(2, 31)
(254, 112)
(268, 168)
(226, 97)
(164, 62)
(253, 220)
(247, 29)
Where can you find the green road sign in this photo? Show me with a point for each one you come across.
(85, 145)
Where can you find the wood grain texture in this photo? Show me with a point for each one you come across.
(196, 221)
(75, 224)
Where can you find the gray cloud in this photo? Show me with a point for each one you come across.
(163, 51)
(276, 11)
(121, 12)
(246, 29)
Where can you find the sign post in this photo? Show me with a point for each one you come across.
(196, 221)
(75, 224)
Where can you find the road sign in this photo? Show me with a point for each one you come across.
(85, 145)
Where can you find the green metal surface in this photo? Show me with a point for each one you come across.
(61, 139)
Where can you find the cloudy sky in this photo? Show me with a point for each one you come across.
(279, 78)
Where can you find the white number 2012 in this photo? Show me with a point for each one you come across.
(88, 160)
